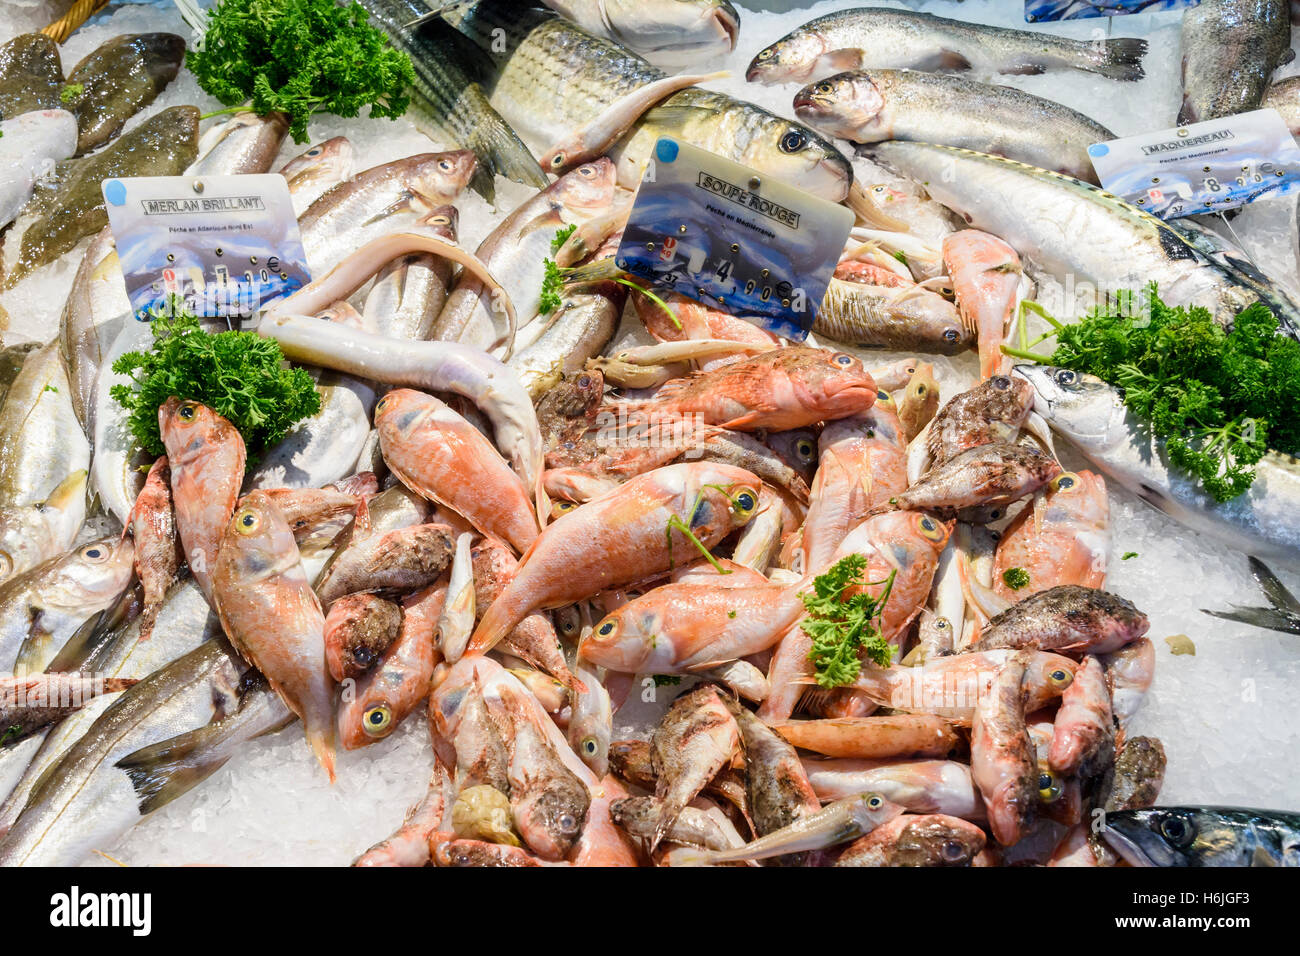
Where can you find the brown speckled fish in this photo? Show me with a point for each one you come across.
(979, 483)
(696, 738)
(206, 456)
(440, 455)
(359, 629)
(931, 839)
(273, 618)
(1067, 618)
(1004, 762)
(992, 411)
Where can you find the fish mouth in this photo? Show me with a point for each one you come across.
(1124, 837)
(727, 20)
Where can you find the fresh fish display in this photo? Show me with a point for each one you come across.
(245, 143)
(316, 170)
(91, 321)
(878, 38)
(30, 534)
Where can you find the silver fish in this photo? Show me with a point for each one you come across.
(30, 144)
(1204, 836)
(1230, 50)
(92, 317)
(668, 33)
(245, 143)
(42, 440)
(317, 169)
(30, 534)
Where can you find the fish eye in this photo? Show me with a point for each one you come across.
(558, 161)
(363, 655)
(766, 54)
(951, 335)
(446, 165)
(793, 141)
(377, 720)
(823, 87)
(95, 552)
(805, 448)
(874, 802)
(247, 521)
(589, 746)
(942, 623)
(1061, 678)
(568, 823)
(1065, 377)
(587, 171)
(745, 501)
(930, 529)
(1177, 830)
(952, 851)
(607, 626)
(843, 359)
(441, 220)
(314, 151)
(584, 381)
(561, 507)
(188, 411)
(568, 619)
(383, 403)
(1064, 481)
(884, 398)
(1000, 382)
(1049, 787)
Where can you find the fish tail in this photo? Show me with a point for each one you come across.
(500, 152)
(495, 624)
(164, 771)
(322, 737)
(1119, 58)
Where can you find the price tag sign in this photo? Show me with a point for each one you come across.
(1205, 167)
(1038, 11)
(227, 245)
(733, 238)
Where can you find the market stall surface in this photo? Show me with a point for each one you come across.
(1225, 714)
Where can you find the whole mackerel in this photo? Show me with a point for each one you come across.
(1082, 236)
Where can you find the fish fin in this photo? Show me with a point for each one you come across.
(868, 211)
(1120, 58)
(1273, 589)
(500, 152)
(707, 665)
(950, 60)
(742, 421)
(164, 771)
(1266, 617)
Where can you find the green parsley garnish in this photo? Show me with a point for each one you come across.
(667, 679)
(239, 375)
(1015, 578)
(300, 57)
(900, 255)
(841, 629)
(562, 235)
(70, 92)
(1218, 399)
(552, 287)
(1128, 554)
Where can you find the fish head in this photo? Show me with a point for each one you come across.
(93, 575)
(798, 448)
(29, 532)
(400, 414)
(1081, 494)
(333, 158)
(550, 820)
(191, 430)
(871, 810)
(258, 543)
(441, 177)
(1004, 401)
(591, 726)
(443, 221)
(938, 840)
(1173, 836)
(790, 59)
(1053, 673)
(587, 188)
(831, 384)
(722, 498)
(1083, 408)
(794, 153)
(846, 104)
(624, 640)
(674, 32)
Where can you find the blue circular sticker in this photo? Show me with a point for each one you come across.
(1098, 149)
(115, 192)
(666, 150)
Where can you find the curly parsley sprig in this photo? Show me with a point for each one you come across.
(300, 57)
(843, 630)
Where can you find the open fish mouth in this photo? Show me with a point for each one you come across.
(1123, 838)
(728, 22)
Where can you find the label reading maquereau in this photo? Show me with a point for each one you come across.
(1204, 167)
(733, 238)
(226, 245)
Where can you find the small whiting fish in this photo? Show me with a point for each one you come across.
(684, 627)
(392, 197)
(836, 823)
(118, 79)
(631, 534)
(206, 456)
(440, 455)
(781, 389)
(866, 106)
(979, 482)
(591, 722)
(992, 411)
(988, 281)
(918, 785)
(43, 441)
(952, 687)
(153, 529)
(321, 167)
(919, 401)
(273, 617)
(668, 33)
(409, 845)
(91, 320)
(456, 623)
(1230, 49)
(43, 608)
(59, 217)
(576, 333)
(1083, 738)
(863, 464)
(1067, 618)
(244, 144)
(1204, 836)
(534, 639)
(1129, 672)
(1063, 537)
(860, 311)
(391, 691)
(30, 534)
(901, 39)
(408, 294)
(696, 738)
(917, 840)
(359, 630)
(882, 737)
(33, 701)
(779, 792)
(1004, 764)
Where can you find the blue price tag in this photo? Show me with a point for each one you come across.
(733, 238)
